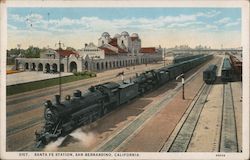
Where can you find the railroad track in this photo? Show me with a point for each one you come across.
(228, 136)
(113, 143)
(227, 141)
(182, 140)
(18, 129)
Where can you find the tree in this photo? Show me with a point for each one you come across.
(70, 49)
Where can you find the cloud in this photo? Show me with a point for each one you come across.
(228, 22)
(209, 14)
(77, 31)
(223, 20)
(64, 24)
(195, 23)
(232, 24)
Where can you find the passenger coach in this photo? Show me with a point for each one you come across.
(226, 71)
(209, 75)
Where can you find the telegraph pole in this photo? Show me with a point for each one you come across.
(60, 81)
(183, 83)
(164, 56)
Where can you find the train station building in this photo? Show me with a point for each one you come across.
(122, 50)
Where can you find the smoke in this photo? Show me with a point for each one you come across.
(86, 138)
(53, 146)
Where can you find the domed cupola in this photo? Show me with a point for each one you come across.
(135, 35)
(105, 34)
(125, 33)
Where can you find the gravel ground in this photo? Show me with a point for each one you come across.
(237, 94)
(207, 132)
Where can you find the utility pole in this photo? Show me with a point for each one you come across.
(183, 83)
(60, 81)
(19, 55)
(19, 51)
(164, 56)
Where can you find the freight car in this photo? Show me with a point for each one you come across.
(226, 71)
(63, 117)
(237, 64)
(209, 75)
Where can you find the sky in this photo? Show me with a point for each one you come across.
(44, 27)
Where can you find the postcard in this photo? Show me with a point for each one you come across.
(124, 79)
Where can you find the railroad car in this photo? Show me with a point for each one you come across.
(226, 71)
(209, 75)
(237, 64)
(179, 59)
(83, 108)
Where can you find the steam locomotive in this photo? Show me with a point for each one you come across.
(83, 108)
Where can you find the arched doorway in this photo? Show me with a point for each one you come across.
(73, 67)
(40, 67)
(86, 65)
(26, 65)
(114, 64)
(98, 66)
(47, 67)
(62, 67)
(54, 68)
(33, 66)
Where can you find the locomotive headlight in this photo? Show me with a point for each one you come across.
(48, 103)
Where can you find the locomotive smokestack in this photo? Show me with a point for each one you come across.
(57, 97)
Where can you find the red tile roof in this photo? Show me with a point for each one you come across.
(148, 50)
(66, 53)
(108, 51)
(113, 42)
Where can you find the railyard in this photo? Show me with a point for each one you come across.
(209, 119)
